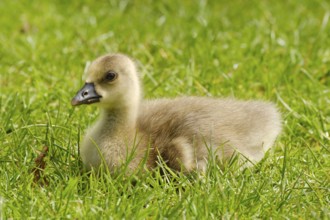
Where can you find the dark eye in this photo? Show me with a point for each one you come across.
(110, 76)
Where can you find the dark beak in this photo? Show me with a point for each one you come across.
(86, 95)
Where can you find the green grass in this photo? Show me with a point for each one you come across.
(268, 50)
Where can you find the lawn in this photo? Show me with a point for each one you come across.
(270, 50)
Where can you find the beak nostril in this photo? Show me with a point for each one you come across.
(85, 93)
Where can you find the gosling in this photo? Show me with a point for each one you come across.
(180, 132)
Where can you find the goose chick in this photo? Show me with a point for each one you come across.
(181, 131)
